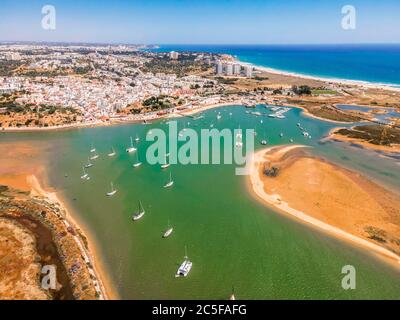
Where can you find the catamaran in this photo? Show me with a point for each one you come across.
(112, 192)
(169, 231)
(131, 148)
(89, 164)
(138, 163)
(112, 153)
(140, 213)
(85, 176)
(170, 183)
(185, 267)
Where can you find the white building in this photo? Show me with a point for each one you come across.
(236, 69)
(229, 69)
(219, 68)
(249, 72)
(174, 55)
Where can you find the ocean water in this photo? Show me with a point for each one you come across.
(371, 63)
(231, 238)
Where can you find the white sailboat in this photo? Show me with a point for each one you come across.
(131, 148)
(232, 297)
(112, 153)
(137, 139)
(112, 192)
(140, 213)
(165, 165)
(239, 139)
(95, 156)
(170, 183)
(138, 163)
(85, 175)
(93, 149)
(185, 267)
(169, 231)
(89, 164)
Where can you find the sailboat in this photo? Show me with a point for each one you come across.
(131, 148)
(219, 116)
(185, 267)
(170, 183)
(85, 176)
(93, 149)
(137, 138)
(138, 163)
(95, 156)
(232, 297)
(239, 139)
(112, 192)
(169, 231)
(140, 213)
(112, 153)
(89, 164)
(165, 165)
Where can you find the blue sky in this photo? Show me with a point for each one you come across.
(202, 21)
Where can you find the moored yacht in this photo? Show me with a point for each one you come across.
(131, 148)
(169, 231)
(95, 156)
(170, 183)
(185, 267)
(112, 153)
(89, 164)
(85, 175)
(112, 192)
(138, 163)
(140, 213)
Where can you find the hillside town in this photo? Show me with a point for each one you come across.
(56, 86)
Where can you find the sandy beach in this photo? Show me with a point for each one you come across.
(298, 192)
(357, 83)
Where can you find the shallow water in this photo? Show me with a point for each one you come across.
(232, 239)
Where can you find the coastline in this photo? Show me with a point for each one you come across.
(358, 83)
(273, 200)
(91, 253)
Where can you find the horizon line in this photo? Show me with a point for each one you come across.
(193, 44)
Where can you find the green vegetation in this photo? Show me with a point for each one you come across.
(226, 80)
(323, 91)
(375, 134)
(158, 103)
(301, 90)
(7, 67)
(185, 65)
